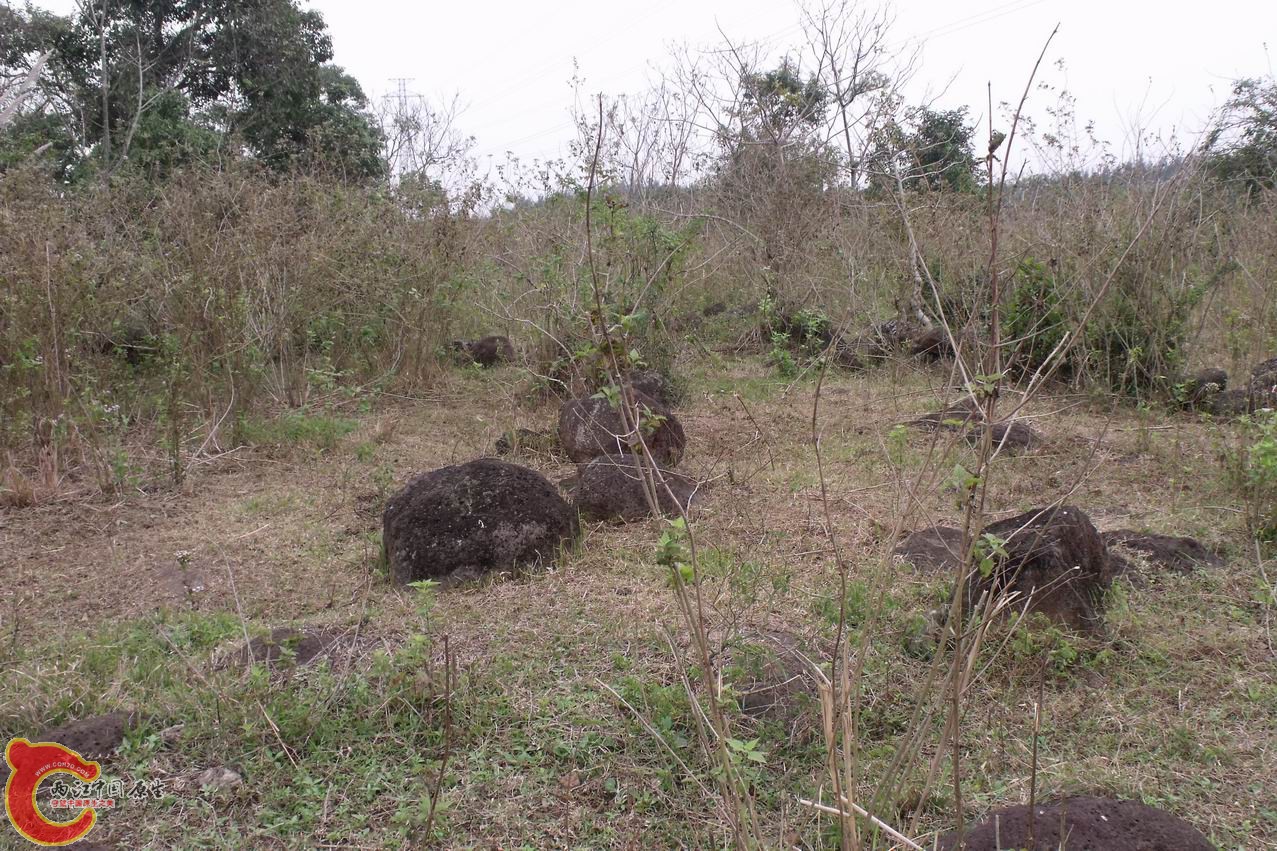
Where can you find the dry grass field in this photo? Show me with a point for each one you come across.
(563, 720)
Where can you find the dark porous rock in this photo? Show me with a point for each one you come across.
(933, 550)
(1008, 438)
(525, 440)
(470, 519)
(1055, 561)
(932, 344)
(1201, 388)
(591, 426)
(92, 738)
(610, 487)
(1263, 385)
(1230, 403)
(1084, 823)
(486, 351)
(1171, 552)
(648, 382)
(652, 383)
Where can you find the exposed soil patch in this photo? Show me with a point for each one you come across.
(1082, 824)
(1171, 552)
(93, 738)
(462, 521)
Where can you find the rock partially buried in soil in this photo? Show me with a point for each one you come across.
(933, 550)
(769, 675)
(92, 738)
(1008, 438)
(486, 351)
(1172, 552)
(591, 426)
(1082, 823)
(300, 647)
(1230, 403)
(1056, 561)
(463, 521)
(610, 487)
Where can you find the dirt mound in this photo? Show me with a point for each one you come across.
(486, 351)
(1083, 823)
(1171, 552)
(92, 738)
(1056, 561)
(610, 487)
(937, 549)
(469, 519)
(591, 426)
(1008, 438)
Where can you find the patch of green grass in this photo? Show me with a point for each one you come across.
(297, 429)
(267, 504)
(348, 758)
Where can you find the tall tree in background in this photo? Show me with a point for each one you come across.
(776, 164)
(159, 82)
(938, 153)
(1243, 141)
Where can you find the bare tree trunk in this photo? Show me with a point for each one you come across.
(106, 92)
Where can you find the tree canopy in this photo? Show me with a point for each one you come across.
(154, 83)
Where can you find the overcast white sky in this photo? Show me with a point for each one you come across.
(1165, 64)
